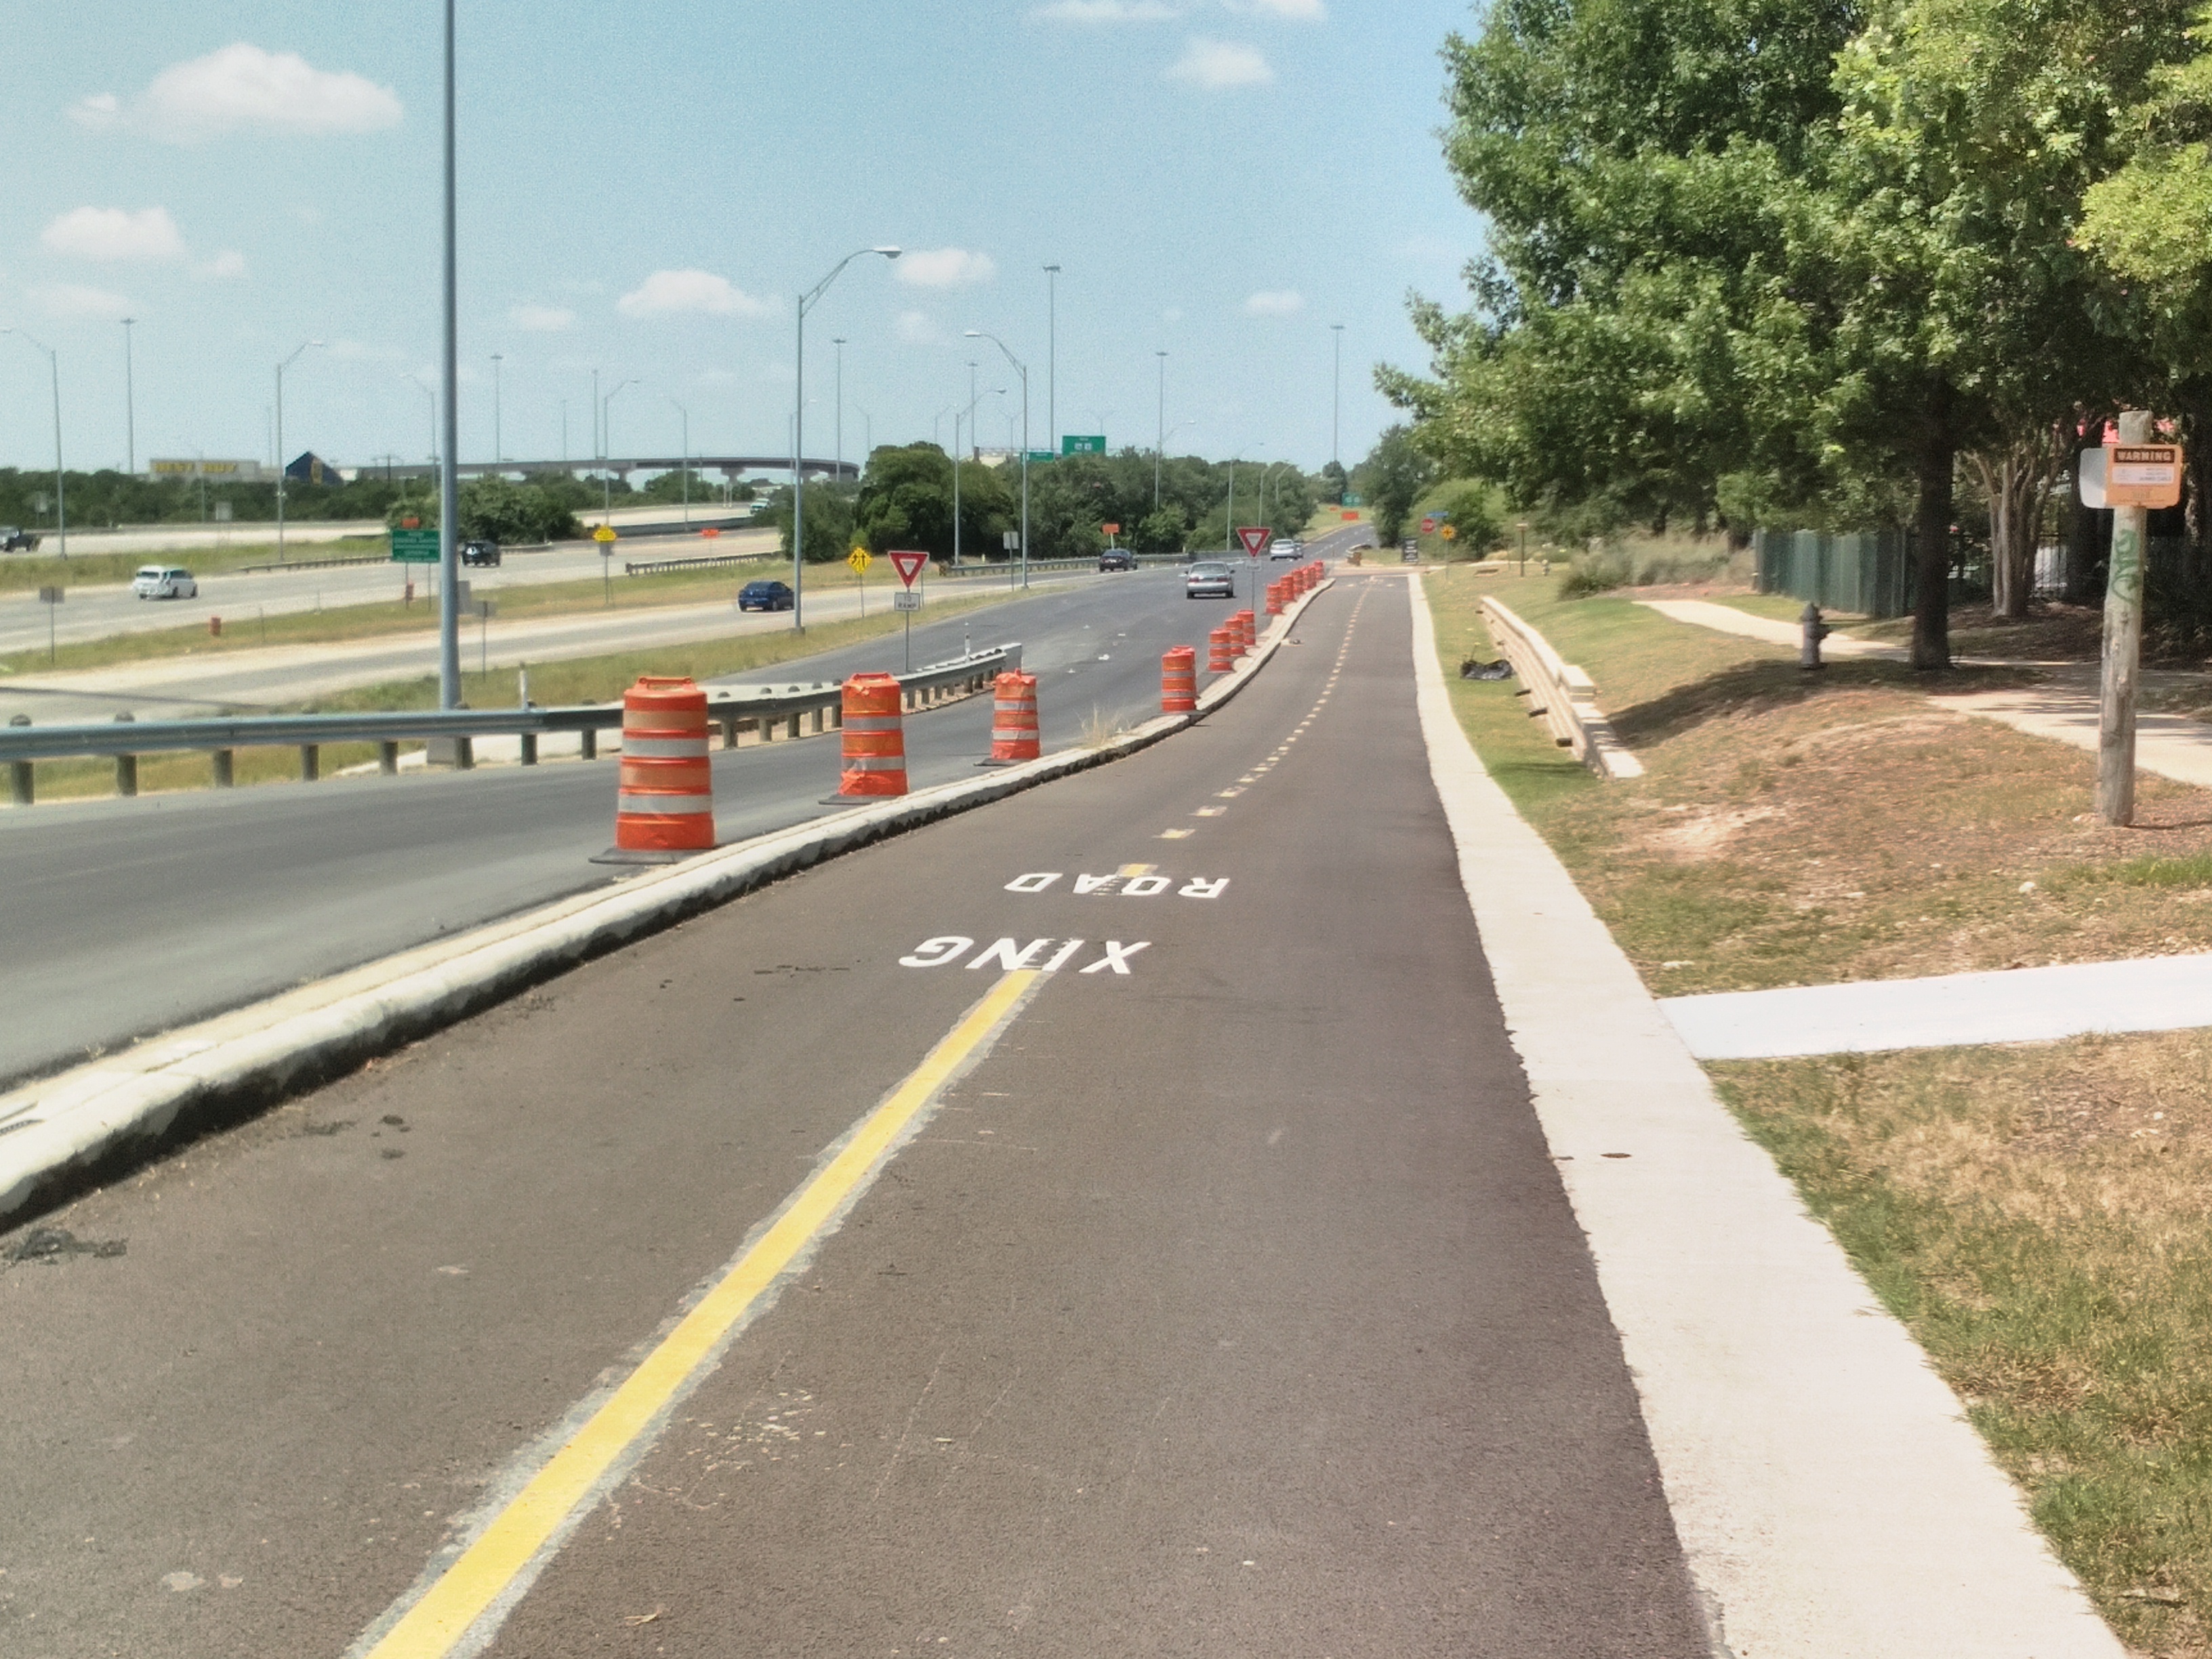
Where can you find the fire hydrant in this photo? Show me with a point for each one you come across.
(1808, 649)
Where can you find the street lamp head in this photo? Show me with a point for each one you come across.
(974, 333)
(888, 253)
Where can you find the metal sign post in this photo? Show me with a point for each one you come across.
(2131, 478)
(604, 536)
(50, 596)
(858, 558)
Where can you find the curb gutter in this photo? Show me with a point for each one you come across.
(64, 1133)
(1832, 1499)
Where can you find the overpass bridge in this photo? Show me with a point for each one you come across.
(731, 466)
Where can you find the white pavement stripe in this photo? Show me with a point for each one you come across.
(2020, 1005)
(1832, 1499)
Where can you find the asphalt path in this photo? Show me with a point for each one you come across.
(242, 598)
(1226, 1304)
(125, 918)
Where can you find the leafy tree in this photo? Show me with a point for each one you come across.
(1335, 482)
(1392, 478)
(829, 518)
(494, 508)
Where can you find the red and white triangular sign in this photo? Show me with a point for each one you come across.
(908, 564)
(1255, 538)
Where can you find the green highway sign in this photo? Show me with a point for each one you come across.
(415, 547)
(1076, 443)
(1350, 500)
(1042, 455)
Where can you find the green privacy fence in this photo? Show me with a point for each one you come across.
(1868, 572)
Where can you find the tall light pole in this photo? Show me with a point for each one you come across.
(839, 342)
(498, 450)
(1336, 398)
(1159, 448)
(1022, 369)
(129, 404)
(1051, 358)
(799, 435)
(53, 368)
(607, 446)
(281, 367)
(449, 464)
(430, 398)
(686, 414)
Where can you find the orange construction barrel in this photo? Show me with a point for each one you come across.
(1274, 599)
(1178, 680)
(664, 799)
(1014, 719)
(1247, 636)
(875, 738)
(1220, 651)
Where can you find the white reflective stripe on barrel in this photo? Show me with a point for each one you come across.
(665, 748)
(663, 805)
(875, 762)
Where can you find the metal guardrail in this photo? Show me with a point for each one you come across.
(704, 562)
(760, 707)
(313, 564)
(1561, 694)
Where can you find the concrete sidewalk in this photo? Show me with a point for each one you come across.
(2020, 1005)
(1831, 1497)
(1727, 619)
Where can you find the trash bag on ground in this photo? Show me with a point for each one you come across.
(1471, 670)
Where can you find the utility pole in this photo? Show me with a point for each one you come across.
(1336, 399)
(2124, 596)
(449, 409)
(1159, 448)
(129, 405)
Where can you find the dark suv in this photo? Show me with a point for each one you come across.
(480, 553)
(13, 540)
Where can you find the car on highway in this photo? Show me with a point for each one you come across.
(1117, 558)
(13, 540)
(480, 552)
(1285, 550)
(1209, 579)
(764, 596)
(164, 581)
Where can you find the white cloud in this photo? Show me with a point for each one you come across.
(1214, 64)
(944, 267)
(115, 234)
(1274, 302)
(666, 293)
(1172, 314)
(74, 302)
(225, 266)
(240, 87)
(542, 320)
(917, 328)
(99, 113)
(1106, 11)
(1296, 11)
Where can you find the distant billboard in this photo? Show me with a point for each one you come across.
(218, 471)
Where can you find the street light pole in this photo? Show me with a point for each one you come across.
(449, 464)
(498, 450)
(1051, 359)
(1336, 398)
(686, 414)
(53, 368)
(1159, 448)
(839, 342)
(1022, 369)
(129, 405)
(281, 367)
(799, 435)
(607, 445)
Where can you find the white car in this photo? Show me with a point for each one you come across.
(164, 582)
(1284, 551)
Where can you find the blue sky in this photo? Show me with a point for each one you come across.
(644, 189)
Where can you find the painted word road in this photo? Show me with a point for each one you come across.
(1130, 881)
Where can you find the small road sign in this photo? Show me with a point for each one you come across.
(1448, 532)
(415, 547)
(2143, 474)
(1429, 526)
(909, 564)
(711, 531)
(1011, 541)
(604, 536)
(906, 599)
(50, 596)
(858, 559)
(1349, 515)
(1111, 529)
(1255, 538)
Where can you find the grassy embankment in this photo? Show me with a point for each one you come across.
(22, 573)
(2034, 1213)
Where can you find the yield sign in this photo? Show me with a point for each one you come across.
(908, 564)
(1255, 538)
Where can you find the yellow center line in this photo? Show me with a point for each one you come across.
(504, 1551)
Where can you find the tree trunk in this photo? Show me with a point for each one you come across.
(1932, 530)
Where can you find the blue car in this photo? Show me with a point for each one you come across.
(764, 596)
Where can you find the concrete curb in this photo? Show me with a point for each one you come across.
(1832, 1499)
(64, 1133)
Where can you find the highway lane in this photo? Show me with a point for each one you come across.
(1227, 1305)
(241, 598)
(125, 918)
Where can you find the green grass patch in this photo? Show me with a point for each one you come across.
(2034, 1215)
(2194, 872)
(20, 574)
